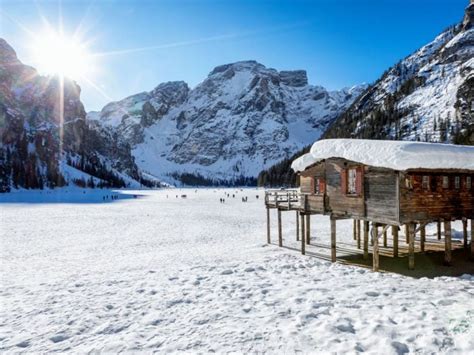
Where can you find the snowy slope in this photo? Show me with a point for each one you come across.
(242, 118)
(129, 276)
(427, 96)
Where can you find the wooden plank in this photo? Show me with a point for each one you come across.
(411, 246)
(366, 240)
(395, 241)
(308, 229)
(333, 240)
(447, 243)
(375, 254)
(280, 236)
(297, 226)
(464, 232)
(303, 244)
(422, 238)
(268, 226)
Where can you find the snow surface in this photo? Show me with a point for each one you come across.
(193, 275)
(396, 155)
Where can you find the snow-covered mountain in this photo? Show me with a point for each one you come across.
(44, 138)
(429, 95)
(242, 118)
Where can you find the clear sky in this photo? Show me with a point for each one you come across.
(340, 43)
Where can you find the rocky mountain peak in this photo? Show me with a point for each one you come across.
(7, 53)
(468, 22)
(294, 77)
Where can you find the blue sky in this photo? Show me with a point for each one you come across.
(339, 43)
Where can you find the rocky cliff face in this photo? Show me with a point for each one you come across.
(243, 117)
(427, 96)
(45, 141)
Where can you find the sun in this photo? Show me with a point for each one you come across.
(55, 53)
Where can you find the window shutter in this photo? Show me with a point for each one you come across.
(312, 185)
(359, 180)
(322, 186)
(344, 181)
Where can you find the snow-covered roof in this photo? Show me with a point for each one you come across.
(396, 155)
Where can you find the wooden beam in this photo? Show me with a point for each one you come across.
(366, 240)
(407, 233)
(297, 226)
(333, 240)
(385, 238)
(447, 243)
(358, 234)
(395, 240)
(280, 236)
(422, 238)
(354, 230)
(303, 244)
(472, 239)
(308, 229)
(411, 246)
(268, 226)
(439, 229)
(375, 254)
(464, 232)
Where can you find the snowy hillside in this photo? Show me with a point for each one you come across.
(243, 117)
(427, 96)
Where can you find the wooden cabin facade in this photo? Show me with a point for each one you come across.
(345, 185)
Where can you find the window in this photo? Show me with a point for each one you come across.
(425, 183)
(445, 182)
(457, 182)
(409, 182)
(319, 186)
(468, 182)
(352, 181)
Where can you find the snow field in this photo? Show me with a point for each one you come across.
(167, 274)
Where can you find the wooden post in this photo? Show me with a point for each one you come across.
(280, 236)
(411, 246)
(395, 241)
(472, 239)
(407, 233)
(375, 254)
(303, 244)
(308, 229)
(366, 240)
(385, 238)
(422, 238)
(439, 229)
(447, 242)
(464, 232)
(333, 239)
(268, 226)
(354, 230)
(358, 234)
(297, 226)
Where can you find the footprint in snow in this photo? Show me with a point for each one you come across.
(227, 272)
(400, 348)
(58, 338)
(372, 294)
(23, 344)
(249, 269)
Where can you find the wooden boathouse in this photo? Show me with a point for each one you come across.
(382, 185)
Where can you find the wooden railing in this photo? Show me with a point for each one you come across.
(282, 198)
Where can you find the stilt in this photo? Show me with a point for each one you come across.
(366, 240)
(422, 238)
(411, 246)
(297, 226)
(395, 241)
(472, 239)
(358, 234)
(385, 238)
(439, 229)
(375, 254)
(303, 244)
(268, 226)
(308, 229)
(354, 230)
(407, 233)
(464, 232)
(447, 242)
(280, 236)
(333, 239)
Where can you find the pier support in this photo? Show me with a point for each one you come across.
(297, 226)
(280, 236)
(447, 243)
(407, 233)
(438, 224)
(268, 226)
(411, 246)
(464, 232)
(308, 229)
(366, 240)
(472, 239)
(333, 240)
(375, 253)
(358, 234)
(303, 242)
(354, 229)
(385, 238)
(422, 238)
(395, 241)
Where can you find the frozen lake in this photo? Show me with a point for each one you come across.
(195, 275)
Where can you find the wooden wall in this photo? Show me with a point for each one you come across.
(437, 202)
(315, 202)
(381, 194)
